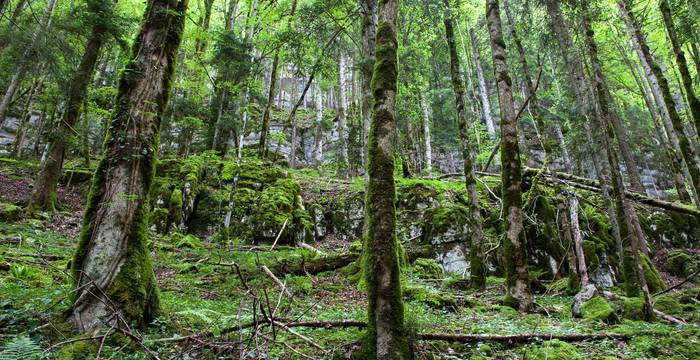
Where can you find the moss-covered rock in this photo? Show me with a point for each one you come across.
(632, 308)
(427, 269)
(598, 309)
(668, 304)
(679, 263)
(9, 212)
(429, 296)
(554, 350)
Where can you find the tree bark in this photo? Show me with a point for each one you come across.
(43, 196)
(693, 102)
(632, 264)
(483, 88)
(386, 333)
(427, 145)
(341, 126)
(476, 253)
(112, 265)
(517, 278)
(318, 131)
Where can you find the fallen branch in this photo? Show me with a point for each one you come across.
(521, 338)
(669, 318)
(276, 280)
(492, 155)
(679, 284)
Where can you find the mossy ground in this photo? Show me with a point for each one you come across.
(200, 295)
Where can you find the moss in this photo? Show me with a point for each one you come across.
(598, 309)
(668, 304)
(175, 208)
(653, 278)
(9, 212)
(679, 263)
(190, 242)
(632, 308)
(427, 269)
(590, 252)
(79, 350)
(554, 350)
(431, 297)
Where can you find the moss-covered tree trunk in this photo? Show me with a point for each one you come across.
(517, 279)
(686, 147)
(632, 265)
(476, 254)
(693, 102)
(44, 193)
(386, 333)
(341, 125)
(112, 264)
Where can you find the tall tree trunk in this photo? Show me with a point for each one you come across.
(341, 109)
(318, 131)
(517, 278)
(44, 193)
(635, 177)
(386, 332)
(483, 88)
(476, 253)
(369, 32)
(274, 73)
(22, 67)
(202, 41)
(686, 148)
(632, 258)
(693, 102)
(570, 223)
(675, 164)
(427, 146)
(112, 265)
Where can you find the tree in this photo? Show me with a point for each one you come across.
(693, 102)
(112, 265)
(632, 263)
(44, 192)
(517, 278)
(477, 269)
(686, 148)
(386, 332)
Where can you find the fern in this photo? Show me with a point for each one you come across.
(20, 348)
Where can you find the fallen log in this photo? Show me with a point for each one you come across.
(520, 338)
(594, 186)
(316, 265)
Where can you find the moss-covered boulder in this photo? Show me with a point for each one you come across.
(632, 308)
(598, 309)
(554, 350)
(427, 269)
(9, 212)
(668, 304)
(680, 263)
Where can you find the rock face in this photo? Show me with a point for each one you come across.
(432, 216)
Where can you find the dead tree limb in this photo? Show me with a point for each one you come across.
(521, 338)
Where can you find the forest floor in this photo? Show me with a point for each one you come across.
(208, 290)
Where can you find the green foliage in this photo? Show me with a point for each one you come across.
(20, 348)
(427, 269)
